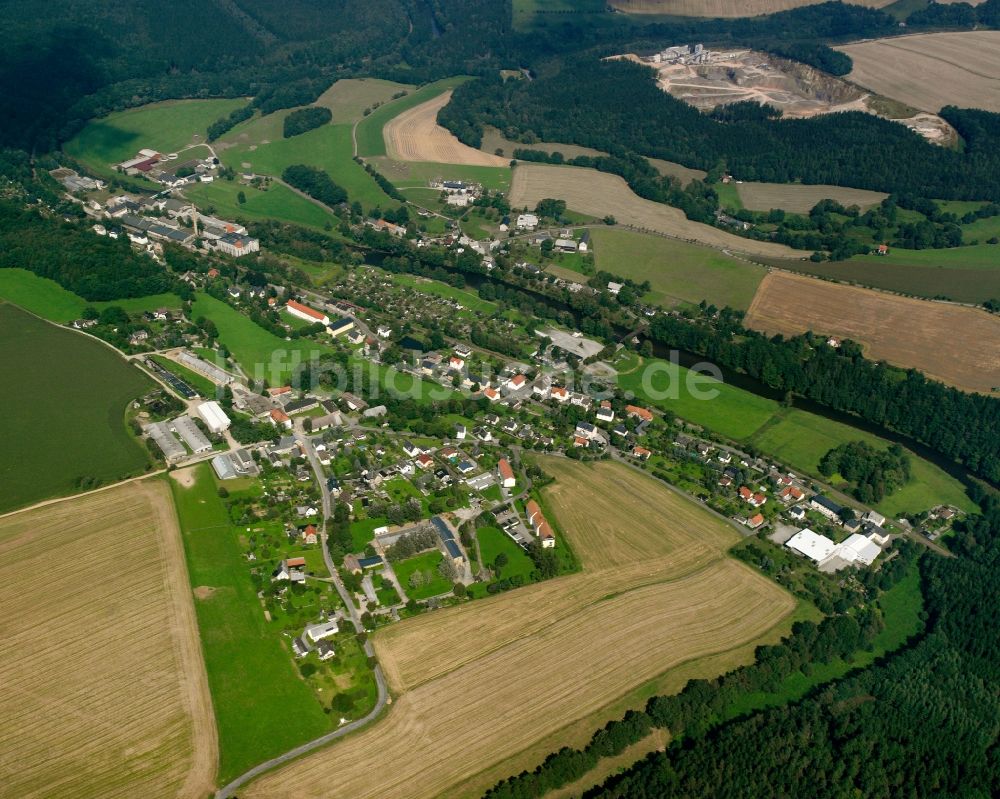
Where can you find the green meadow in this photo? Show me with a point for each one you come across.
(328, 148)
(427, 564)
(369, 129)
(262, 705)
(678, 272)
(48, 299)
(277, 202)
(167, 127)
(63, 426)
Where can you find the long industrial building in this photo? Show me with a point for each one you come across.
(202, 367)
(213, 416)
(185, 427)
(171, 448)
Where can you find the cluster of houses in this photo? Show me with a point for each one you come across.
(165, 169)
(458, 192)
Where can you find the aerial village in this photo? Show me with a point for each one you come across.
(415, 513)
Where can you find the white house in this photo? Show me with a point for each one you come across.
(614, 288)
(507, 479)
(526, 222)
(213, 416)
(384, 331)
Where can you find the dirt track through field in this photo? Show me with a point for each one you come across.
(105, 691)
(957, 345)
(599, 194)
(415, 135)
(931, 70)
(483, 681)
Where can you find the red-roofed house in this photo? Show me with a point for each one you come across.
(539, 525)
(755, 521)
(277, 392)
(757, 500)
(491, 394)
(635, 412)
(559, 393)
(745, 494)
(641, 452)
(309, 535)
(580, 441)
(791, 494)
(280, 419)
(516, 383)
(507, 479)
(424, 461)
(300, 311)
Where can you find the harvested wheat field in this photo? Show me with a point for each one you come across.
(415, 135)
(951, 343)
(511, 671)
(599, 194)
(348, 98)
(800, 198)
(104, 688)
(931, 70)
(723, 8)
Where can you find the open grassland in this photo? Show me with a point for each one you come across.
(104, 690)
(931, 70)
(328, 147)
(492, 542)
(166, 127)
(415, 135)
(347, 99)
(678, 272)
(964, 274)
(278, 202)
(48, 299)
(800, 439)
(801, 198)
(698, 397)
(63, 419)
(262, 706)
(722, 8)
(957, 345)
(649, 600)
(369, 130)
(600, 193)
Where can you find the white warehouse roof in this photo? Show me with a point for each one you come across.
(813, 545)
(213, 416)
(859, 549)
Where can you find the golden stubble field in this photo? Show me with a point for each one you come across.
(931, 70)
(480, 683)
(104, 689)
(415, 135)
(599, 194)
(951, 343)
(801, 198)
(723, 8)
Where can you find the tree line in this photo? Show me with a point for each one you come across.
(922, 723)
(962, 427)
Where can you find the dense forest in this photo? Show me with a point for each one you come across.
(305, 119)
(617, 107)
(872, 473)
(95, 267)
(923, 723)
(314, 182)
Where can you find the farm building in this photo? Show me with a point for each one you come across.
(300, 311)
(185, 427)
(213, 416)
(209, 370)
(167, 442)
